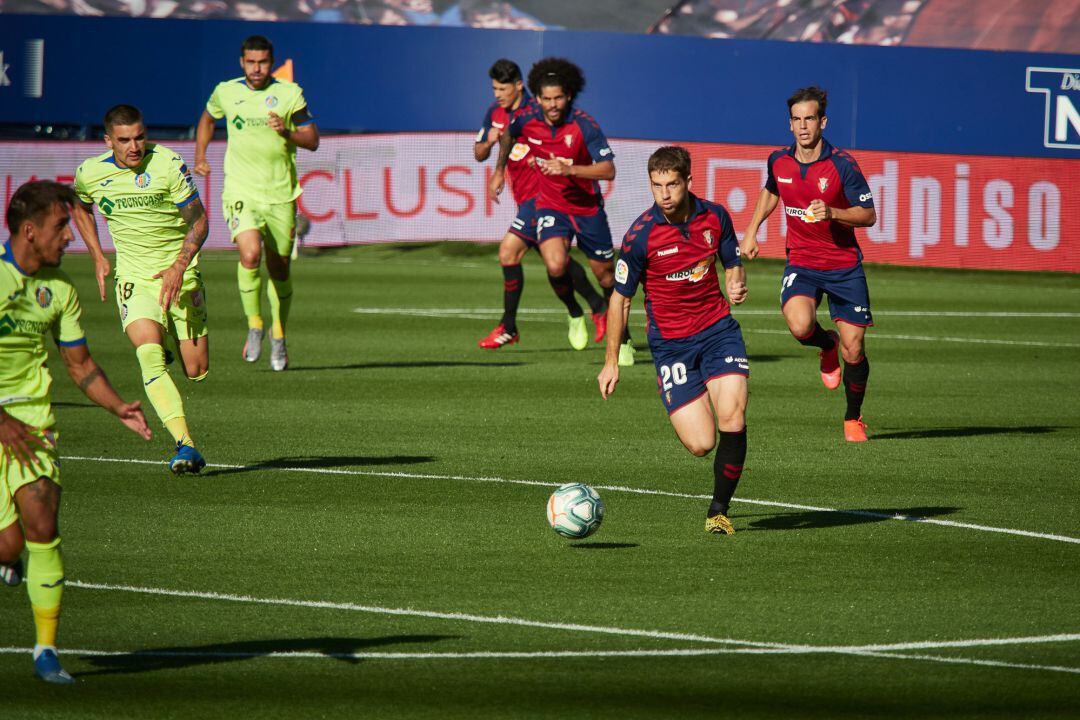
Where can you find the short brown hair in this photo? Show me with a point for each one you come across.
(34, 199)
(121, 115)
(807, 94)
(671, 157)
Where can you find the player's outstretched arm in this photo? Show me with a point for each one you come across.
(735, 283)
(766, 203)
(84, 221)
(172, 277)
(617, 316)
(204, 133)
(92, 381)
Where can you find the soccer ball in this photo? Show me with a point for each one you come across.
(575, 510)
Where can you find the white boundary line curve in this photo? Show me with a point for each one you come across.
(485, 314)
(891, 651)
(611, 488)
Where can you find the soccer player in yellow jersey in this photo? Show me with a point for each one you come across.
(38, 299)
(158, 225)
(267, 119)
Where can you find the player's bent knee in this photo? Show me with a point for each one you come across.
(11, 543)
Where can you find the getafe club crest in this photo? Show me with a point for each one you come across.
(822, 183)
(142, 180)
(708, 236)
(270, 102)
(44, 297)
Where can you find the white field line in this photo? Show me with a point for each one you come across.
(557, 317)
(744, 646)
(612, 488)
(486, 312)
(512, 655)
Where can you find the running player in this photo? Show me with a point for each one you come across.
(158, 225)
(38, 299)
(267, 119)
(572, 154)
(671, 250)
(511, 95)
(825, 197)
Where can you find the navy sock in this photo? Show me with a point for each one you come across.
(855, 377)
(727, 469)
(819, 338)
(513, 285)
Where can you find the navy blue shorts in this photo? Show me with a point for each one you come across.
(592, 231)
(524, 225)
(849, 296)
(683, 366)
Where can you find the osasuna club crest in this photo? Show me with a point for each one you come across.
(823, 183)
(569, 140)
(708, 236)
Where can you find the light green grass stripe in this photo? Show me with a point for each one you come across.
(612, 488)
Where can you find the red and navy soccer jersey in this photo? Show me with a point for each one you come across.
(676, 267)
(836, 179)
(577, 141)
(523, 175)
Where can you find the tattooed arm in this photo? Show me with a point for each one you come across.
(92, 381)
(172, 277)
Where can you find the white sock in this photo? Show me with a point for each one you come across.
(38, 649)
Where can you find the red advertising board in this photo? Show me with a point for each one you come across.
(933, 210)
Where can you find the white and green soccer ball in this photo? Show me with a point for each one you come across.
(575, 510)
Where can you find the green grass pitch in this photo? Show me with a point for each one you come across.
(370, 540)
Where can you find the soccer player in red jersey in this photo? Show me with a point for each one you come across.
(825, 197)
(672, 251)
(510, 95)
(570, 151)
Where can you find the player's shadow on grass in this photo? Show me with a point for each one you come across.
(972, 431)
(331, 461)
(602, 545)
(177, 658)
(405, 364)
(817, 519)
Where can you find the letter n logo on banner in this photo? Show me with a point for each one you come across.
(1061, 86)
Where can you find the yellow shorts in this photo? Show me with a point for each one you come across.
(138, 300)
(14, 476)
(276, 222)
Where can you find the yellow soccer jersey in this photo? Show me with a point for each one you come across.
(259, 163)
(141, 207)
(45, 303)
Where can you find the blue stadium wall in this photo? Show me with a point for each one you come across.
(387, 79)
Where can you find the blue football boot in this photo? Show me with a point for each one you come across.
(47, 667)
(186, 460)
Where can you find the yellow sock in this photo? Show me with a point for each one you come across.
(161, 391)
(280, 294)
(177, 427)
(46, 622)
(255, 322)
(45, 586)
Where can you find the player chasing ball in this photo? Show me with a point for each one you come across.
(572, 154)
(37, 298)
(267, 119)
(825, 197)
(671, 251)
(158, 225)
(511, 96)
